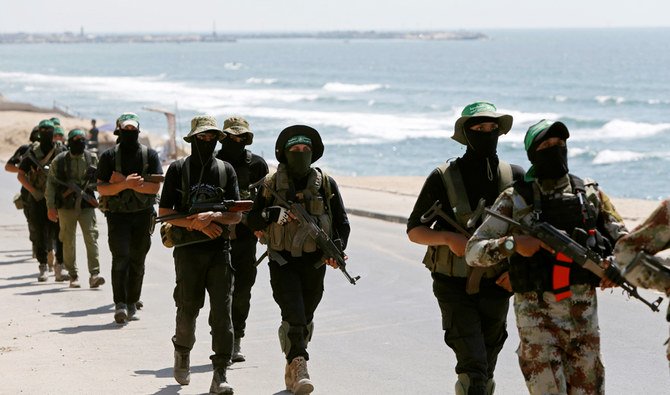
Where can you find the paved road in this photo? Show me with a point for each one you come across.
(381, 336)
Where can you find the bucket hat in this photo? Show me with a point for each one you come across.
(238, 126)
(201, 124)
(484, 110)
(298, 130)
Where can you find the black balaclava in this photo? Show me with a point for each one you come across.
(551, 163)
(232, 150)
(46, 139)
(298, 163)
(203, 150)
(482, 144)
(129, 138)
(77, 146)
(34, 135)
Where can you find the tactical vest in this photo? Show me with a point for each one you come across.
(567, 213)
(64, 173)
(128, 200)
(291, 236)
(36, 176)
(440, 259)
(181, 236)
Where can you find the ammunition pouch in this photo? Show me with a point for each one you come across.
(18, 201)
(176, 236)
(440, 259)
(126, 201)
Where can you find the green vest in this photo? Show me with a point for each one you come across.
(128, 200)
(440, 259)
(291, 236)
(65, 173)
(37, 176)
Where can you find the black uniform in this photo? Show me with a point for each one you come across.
(474, 325)
(129, 232)
(42, 230)
(249, 168)
(297, 286)
(202, 266)
(15, 160)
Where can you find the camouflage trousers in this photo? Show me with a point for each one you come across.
(559, 350)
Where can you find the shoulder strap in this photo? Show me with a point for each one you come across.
(145, 158)
(505, 176)
(577, 184)
(221, 169)
(117, 159)
(458, 197)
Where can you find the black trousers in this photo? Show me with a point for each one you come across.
(43, 233)
(475, 326)
(129, 242)
(297, 287)
(243, 257)
(198, 270)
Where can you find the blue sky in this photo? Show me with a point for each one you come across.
(318, 15)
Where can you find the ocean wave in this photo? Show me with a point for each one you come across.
(261, 81)
(605, 99)
(606, 157)
(351, 88)
(233, 65)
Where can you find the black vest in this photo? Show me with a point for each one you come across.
(573, 214)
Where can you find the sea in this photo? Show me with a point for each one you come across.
(384, 107)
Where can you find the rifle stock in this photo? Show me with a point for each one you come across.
(230, 206)
(562, 244)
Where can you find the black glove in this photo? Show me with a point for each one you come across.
(276, 214)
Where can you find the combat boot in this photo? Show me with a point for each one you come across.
(120, 313)
(95, 281)
(289, 376)
(58, 273)
(74, 282)
(490, 387)
(219, 383)
(42, 277)
(50, 260)
(132, 312)
(182, 367)
(302, 384)
(469, 386)
(237, 351)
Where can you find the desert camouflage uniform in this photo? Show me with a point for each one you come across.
(651, 236)
(559, 350)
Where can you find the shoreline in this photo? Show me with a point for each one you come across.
(18, 119)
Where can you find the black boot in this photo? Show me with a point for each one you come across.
(219, 383)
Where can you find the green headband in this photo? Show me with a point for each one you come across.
(299, 139)
(74, 133)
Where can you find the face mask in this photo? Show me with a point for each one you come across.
(46, 139)
(128, 138)
(482, 144)
(551, 163)
(77, 146)
(203, 150)
(298, 163)
(232, 150)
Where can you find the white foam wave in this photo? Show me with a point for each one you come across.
(560, 98)
(610, 99)
(233, 65)
(605, 157)
(351, 88)
(261, 81)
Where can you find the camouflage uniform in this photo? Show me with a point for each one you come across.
(651, 236)
(559, 349)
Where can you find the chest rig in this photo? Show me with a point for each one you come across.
(128, 200)
(291, 236)
(572, 213)
(65, 173)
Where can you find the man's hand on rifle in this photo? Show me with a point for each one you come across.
(200, 221)
(212, 230)
(134, 181)
(528, 246)
(332, 262)
(52, 213)
(504, 282)
(606, 282)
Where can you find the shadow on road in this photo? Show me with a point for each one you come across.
(45, 291)
(167, 372)
(169, 390)
(18, 285)
(106, 309)
(20, 260)
(21, 277)
(87, 328)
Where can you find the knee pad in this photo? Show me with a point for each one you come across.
(284, 341)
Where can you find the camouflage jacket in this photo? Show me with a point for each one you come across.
(651, 236)
(483, 249)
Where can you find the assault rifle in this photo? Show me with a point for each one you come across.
(156, 178)
(72, 187)
(230, 206)
(325, 243)
(567, 250)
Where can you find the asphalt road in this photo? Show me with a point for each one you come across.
(381, 336)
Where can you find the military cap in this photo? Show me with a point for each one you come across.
(484, 110)
(298, 130)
